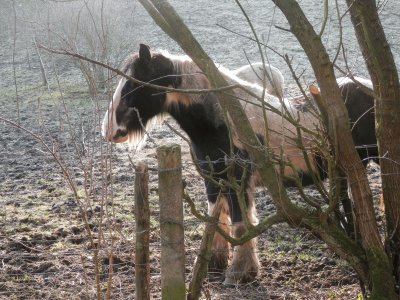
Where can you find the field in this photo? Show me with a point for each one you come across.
(66, 198)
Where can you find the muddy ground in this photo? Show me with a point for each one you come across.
(56, 169)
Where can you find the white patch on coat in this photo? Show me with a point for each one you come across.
(210, 208)
(254, 73)
(110, 126)
(344, 80)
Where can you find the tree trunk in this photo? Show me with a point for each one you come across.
(383, 72)
(347, 157)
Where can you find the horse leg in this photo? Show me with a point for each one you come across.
(245, 264)
(220, 246)
(343, 188)
(345, 197)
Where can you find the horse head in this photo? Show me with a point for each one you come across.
(135, 106)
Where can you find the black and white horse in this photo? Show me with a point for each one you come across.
(360, 107)
(136, 108)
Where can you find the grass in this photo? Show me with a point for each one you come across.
(59, 246)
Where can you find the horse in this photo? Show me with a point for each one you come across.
(361, 111)
(136, 109)
(258, 72)
(359, 104)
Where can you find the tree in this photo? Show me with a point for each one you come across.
(367, 257)
(384, 75)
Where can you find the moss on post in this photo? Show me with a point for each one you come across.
(171, 222)
(142, 211)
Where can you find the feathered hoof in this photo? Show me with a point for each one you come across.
(218, 262)
(243, 272)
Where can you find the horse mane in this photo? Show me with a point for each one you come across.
(191, 73)
(126, 66)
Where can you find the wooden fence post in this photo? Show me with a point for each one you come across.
(171, 222)
(142, 214)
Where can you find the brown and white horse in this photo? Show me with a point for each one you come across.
(136, 108)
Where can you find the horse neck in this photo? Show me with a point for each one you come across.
(199, 115)
(191, 76)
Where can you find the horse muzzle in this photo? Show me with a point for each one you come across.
(120, 136)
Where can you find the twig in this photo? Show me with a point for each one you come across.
(204, 256)
(42, 69)
(325, 20)
(23, 245)
(13, 61)
(169, 89)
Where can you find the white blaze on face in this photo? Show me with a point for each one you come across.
(110, 127)
(210, 208)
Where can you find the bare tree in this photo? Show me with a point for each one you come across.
(382, 69)
(367, 257)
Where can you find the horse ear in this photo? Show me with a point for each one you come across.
(144, 53)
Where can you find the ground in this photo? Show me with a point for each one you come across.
(48, 251)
